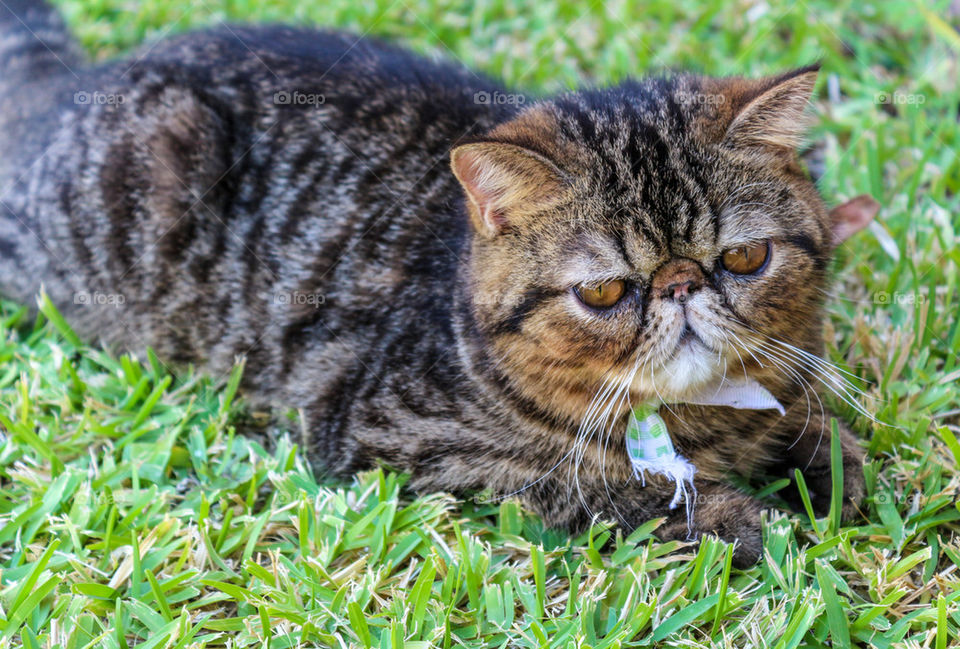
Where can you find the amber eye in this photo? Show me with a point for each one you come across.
(602, 296)
(744, 260)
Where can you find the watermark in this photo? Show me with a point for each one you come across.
(297, 98)
(300, 298)
(701, 98)
(898, 298)
(886, 498)
(498, 299)
(901, 98)
(97, 298)
(497, 98)
(97, 98)
(103, 498)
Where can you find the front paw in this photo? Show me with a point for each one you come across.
(725, 512)
(819, 483)
(854, 488)
(810, 452)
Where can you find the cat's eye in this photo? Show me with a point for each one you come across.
(744, 260)
(603, 295)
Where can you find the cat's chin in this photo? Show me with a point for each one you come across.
(692, 368)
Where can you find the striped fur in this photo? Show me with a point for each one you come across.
(184, 205)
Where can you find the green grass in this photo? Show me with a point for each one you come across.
(141, 509)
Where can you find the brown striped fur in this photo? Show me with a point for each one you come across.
(398, 260)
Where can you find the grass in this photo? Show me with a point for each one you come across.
(142, 509)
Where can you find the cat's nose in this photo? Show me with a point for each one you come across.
(677, 280)
(679, 291)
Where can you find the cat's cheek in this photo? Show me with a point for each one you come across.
(568, 334)
(790, 288)
(705, 318)
(781, 304)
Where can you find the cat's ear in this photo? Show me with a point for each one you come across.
(851, 217)
(505, 183)
(771, 113)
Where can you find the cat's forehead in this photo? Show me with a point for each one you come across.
(643, 148)
(638, 144)
(635, 231)
(650, 182)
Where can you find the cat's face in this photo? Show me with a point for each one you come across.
(659, 234)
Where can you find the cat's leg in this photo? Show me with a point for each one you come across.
(142, 242)
(569, 490)
(807, 448)
(568, 501)
(725, 512)
(716, 509)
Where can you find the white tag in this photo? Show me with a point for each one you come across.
(650, 447)
(745, 394)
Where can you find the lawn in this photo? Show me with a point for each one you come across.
(139, 508)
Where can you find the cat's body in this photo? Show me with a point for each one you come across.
(183, 204)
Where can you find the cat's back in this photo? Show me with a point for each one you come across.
(325, 57)
(246, 165)
(321, 122)
(350, 80)
(370, 94)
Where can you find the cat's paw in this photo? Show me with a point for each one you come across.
(811, 454)
(723, 512)
(854, 488)
(819, 482)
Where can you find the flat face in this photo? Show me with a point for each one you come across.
(663, 259)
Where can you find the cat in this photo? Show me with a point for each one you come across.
(440, 273)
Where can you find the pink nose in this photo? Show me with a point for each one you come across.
(677, 280)
(681, 290)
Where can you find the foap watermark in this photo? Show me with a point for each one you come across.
(96, 298)
(298, 98)
(900, 298)
(103, 498)
(701, 98)
(97, 98)
(913, 497)
(300, 298)
(481, 298)
(497, 98)
(899, 98)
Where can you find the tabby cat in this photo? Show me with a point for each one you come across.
(439, 273)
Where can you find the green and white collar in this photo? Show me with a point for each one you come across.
(651, 449)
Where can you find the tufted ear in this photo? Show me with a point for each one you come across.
(505, 183)
(771, 113)
(851, 217)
